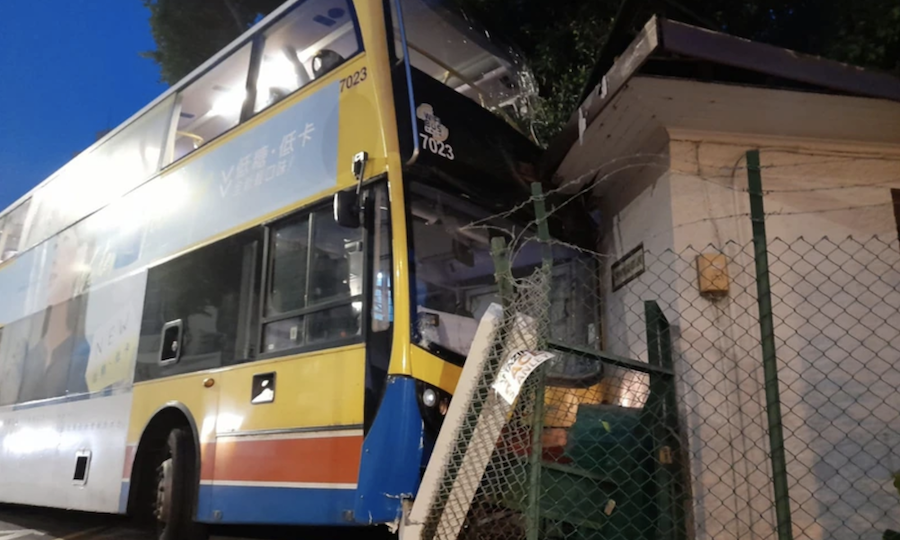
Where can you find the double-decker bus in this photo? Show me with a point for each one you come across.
(250, 303)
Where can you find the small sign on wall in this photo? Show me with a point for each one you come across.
(628, 268)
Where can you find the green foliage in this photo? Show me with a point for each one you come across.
(867, 33)
(562, 39)
(861, 32)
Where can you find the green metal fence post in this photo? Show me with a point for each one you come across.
(665, 431)
(533, 528)
(767, 338)
(655, 407)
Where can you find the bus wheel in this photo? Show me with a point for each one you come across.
(175, 490)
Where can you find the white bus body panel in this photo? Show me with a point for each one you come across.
(38, 448)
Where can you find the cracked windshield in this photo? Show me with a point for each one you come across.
(454, 274)
(458, 52)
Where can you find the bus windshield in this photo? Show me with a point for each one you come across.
(454, 273)
(452, 49)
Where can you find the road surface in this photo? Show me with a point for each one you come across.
(26, 523)
(23, 523)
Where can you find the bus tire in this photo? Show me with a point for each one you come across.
(174, 489)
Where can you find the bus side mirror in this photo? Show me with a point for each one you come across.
(346, 209)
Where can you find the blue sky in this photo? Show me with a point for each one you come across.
(70, 69)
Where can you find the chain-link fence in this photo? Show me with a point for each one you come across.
(686, 398)
(837, 342)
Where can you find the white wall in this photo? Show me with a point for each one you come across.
(836, 315)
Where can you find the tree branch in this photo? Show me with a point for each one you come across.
(234, 13)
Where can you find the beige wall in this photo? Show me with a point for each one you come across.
(837, 324)
(813, 190)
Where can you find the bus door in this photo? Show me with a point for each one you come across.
(290, 426)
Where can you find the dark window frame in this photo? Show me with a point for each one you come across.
(243, 334)
(268, 267)
(263, 266)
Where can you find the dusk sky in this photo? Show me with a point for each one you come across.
(70, 68)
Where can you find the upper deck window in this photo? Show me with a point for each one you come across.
(310, 41)
(212, 104)
(97, 176)
(455, 51)
(305, 44)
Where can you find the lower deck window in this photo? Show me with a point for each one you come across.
(212, 292)
(314, 292)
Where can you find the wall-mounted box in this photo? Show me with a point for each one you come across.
(712, 275)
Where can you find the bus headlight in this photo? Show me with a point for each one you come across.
(433, 405)
(429, 397)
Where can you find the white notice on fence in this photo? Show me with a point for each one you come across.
(516, 370)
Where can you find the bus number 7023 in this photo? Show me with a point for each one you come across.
(437, 147)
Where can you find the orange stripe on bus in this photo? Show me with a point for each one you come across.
(207, 459)
(331, 460)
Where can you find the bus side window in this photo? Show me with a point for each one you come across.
(310, 41)
(212, 292)
(212, 104)
(314, 291)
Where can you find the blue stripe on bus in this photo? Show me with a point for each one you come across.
(123, 497)
(277, 505)
(268, 505)
(390, 469)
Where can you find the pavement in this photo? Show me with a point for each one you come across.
(24, 523)
(28, 523)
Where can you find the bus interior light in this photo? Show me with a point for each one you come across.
(229, 103)
(279, 74)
